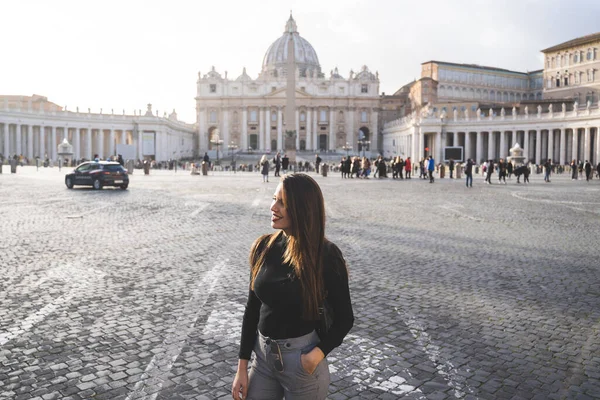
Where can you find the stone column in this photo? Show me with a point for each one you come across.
(267, 136)
(76, 142)
(550, 144)
(308, 129)
(526, 145)
(478, 148)
(315, 129)
(331, 145)
(350, 131)
(586, 145)
(29, 131)
(124, 136)
(538, 146)
(562, 154)
(18, 137)
(280, 144)
(491, 146)
(225, 132)
(53, 147)
(88, 144)
(7, 139)
(297, 130)
(375, 132)
(438, 147)
(502, 144)
(575, 146)
(513, 139)
(42, 143)
(261, 132)
(101, 143)
(244, 143)
(467, 152)
(111, 143)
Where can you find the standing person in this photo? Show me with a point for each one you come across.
(422, 168)
(317, 162)
(382, 168)
(509, 169)
(469, 173)
(355, 167)
(547, 170)
(285, 163)
(343, 167)
(264, 168)
(573, 170)
(502, 171)
(431, 168)
(206, 159)
(526, 173)
(488, 171)
(366, 167)
(407, 167)
(277, 162)
(451, 167)
(588, 170)
(598, 170)
(348, 167)
(120, 160)
(294, 272)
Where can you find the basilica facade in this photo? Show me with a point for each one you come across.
(332, 112)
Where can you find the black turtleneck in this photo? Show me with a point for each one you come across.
(275, 305)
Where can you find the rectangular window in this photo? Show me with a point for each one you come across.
(364, 88)
(253, 116)
(274, 116)
(213, 88)
(363, 116)
(566, 81)
(213, 116)
(302, 117)
(323, 116)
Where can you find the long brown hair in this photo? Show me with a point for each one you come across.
(303, 201)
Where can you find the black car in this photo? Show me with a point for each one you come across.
(98, 174)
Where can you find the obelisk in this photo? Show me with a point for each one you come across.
(290, 94)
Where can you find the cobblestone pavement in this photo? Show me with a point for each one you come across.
(484, 293)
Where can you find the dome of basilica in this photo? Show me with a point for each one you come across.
(274, 62)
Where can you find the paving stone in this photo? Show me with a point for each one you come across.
(481, 292)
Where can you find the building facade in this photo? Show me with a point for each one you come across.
(332, 112)
(571, 70)
(486, 110)
(33, 127)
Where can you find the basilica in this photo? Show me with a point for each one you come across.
(330, 112)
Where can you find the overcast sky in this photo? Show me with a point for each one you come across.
(124, 54)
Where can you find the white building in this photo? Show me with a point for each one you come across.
(560, 135)
(33, 127)
(249, 113)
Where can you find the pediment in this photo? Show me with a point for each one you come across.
(281, 94)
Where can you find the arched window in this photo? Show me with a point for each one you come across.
(302, 116)
(492, 95)
(559, 61)
(538, 96)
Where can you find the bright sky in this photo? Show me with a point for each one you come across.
(124, 54)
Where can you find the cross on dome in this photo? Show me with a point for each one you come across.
(290, 26)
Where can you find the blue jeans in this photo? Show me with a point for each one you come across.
(469, 179)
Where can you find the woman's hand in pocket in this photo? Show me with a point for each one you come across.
(311, 359)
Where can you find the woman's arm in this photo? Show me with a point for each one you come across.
(335, 275)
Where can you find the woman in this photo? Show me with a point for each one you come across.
(264, 165)
(294, 272)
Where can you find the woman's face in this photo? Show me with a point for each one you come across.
(279, 215)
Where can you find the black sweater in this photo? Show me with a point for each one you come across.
(275, 306)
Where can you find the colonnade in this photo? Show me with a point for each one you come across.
(562, 145)
(42, 141)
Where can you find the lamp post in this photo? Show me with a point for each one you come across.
(217, 142)
(363, 143)
(347, 147)
(232, 146)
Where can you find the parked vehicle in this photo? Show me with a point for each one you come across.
(98, 174)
